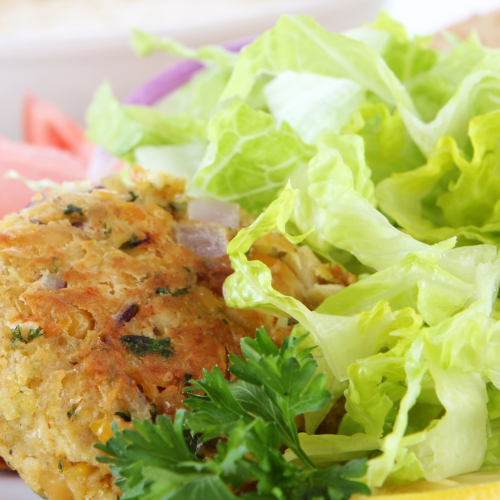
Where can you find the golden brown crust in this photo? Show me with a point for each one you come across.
(71, 273)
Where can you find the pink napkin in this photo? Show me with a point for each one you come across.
(55, 148)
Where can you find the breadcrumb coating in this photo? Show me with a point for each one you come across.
(104, 318)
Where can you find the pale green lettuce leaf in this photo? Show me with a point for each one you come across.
(343, 190)
(120, 129)
(316, 50)
(145, 43)
(406, 57)
(313, 50)
(431, 90)
(450, 195)
(366, 403)
(388, 146)
(199, 97)
(249, 160)
(326, 449)
(425, 373)
(417, 282)
(307, 212)
(380, 467)
(182, 160)
(312, 104)
(343, 340)
(458, 443)
(492, 458)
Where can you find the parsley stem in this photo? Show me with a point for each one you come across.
(301, 455)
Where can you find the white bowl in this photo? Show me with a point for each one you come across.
(66, 67)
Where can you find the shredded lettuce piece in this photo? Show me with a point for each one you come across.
(450, 195)
(316, 50)
(199, 97)
(182, 160)
(327, 449)
(145, 43)
(40, 185)
(120, 129)
(312, 104)
(343, 190)
(249, 160)
(399, 368)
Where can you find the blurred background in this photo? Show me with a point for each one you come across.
(61, 50)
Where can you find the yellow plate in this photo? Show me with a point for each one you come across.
(477, 486)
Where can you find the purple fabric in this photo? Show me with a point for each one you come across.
(168, 81)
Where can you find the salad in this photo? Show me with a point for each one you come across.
(381, 154)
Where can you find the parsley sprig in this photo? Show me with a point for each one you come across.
(252, 418)
(17, 335)
(139, 345)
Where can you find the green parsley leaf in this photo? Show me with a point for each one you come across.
(133, 242)
(274, 384)
(139, 345)
(107, 231)
(133, 196)
(70, 209)
(176, 293)
(154, 412)
(17, 335)
(32, 335)
(124, 416)
(160, 461)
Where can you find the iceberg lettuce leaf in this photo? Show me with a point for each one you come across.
(326, 449)
(120, 129)
(145, 43)
(249, 160)
(450, 195)
(312, 104)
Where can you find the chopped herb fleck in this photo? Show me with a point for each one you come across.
(154, 412)
(60, 466)
(187, 269)
(125, 416)
(107, 231)
(176, 293)
(133, 242)
(224, 320)
(16, 333)
(70, 209)
(187, 378)
(139, 345)
(164, 208)
(70, 414)
(34, 333)
(55, 264)
(133, 195)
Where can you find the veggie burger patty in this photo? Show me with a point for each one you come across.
(105, 317)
